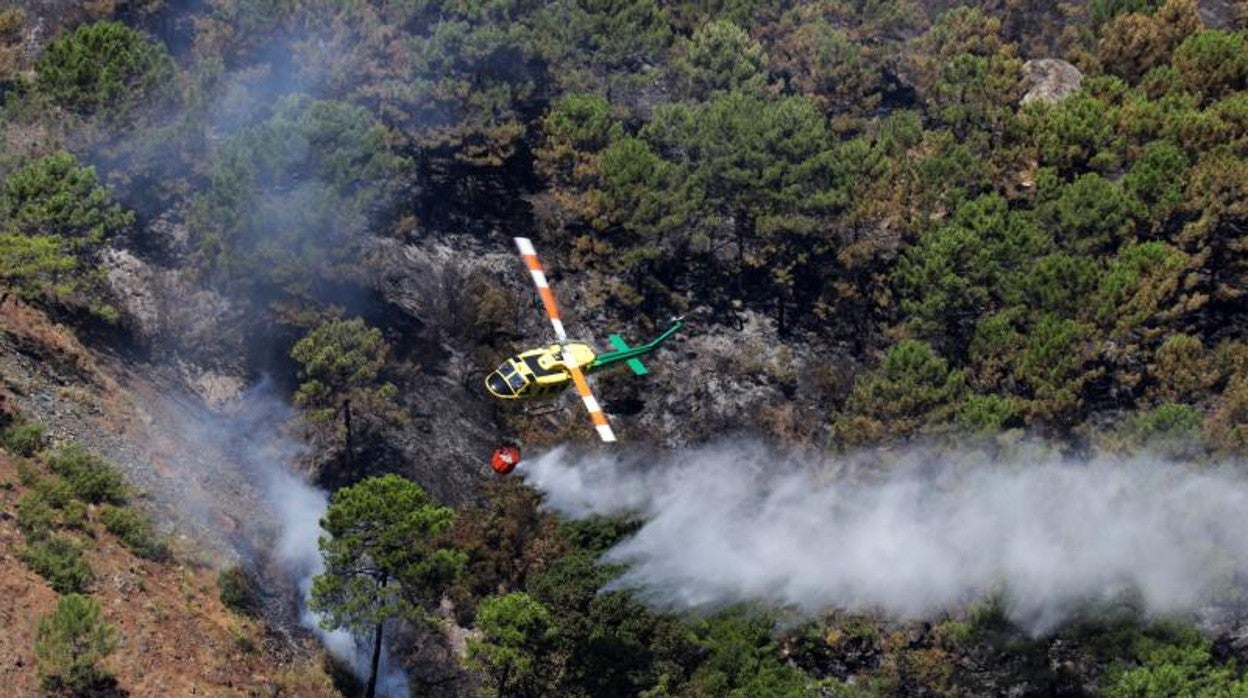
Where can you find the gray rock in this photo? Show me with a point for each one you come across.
(1050, 80)
(133, 284)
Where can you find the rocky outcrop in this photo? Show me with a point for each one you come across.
(1050, 80)
(199, 331)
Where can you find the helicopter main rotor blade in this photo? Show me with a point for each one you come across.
(596, 414)
(543, 287)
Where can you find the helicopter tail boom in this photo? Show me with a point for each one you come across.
(638, 368)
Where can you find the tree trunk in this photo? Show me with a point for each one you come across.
(371, 691)
(349, 447)
(781, 328)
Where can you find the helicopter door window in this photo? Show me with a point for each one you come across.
(515, 380)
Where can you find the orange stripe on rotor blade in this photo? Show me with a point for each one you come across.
(531, 262)
(579, 379)
(548, 298)
(596, 415)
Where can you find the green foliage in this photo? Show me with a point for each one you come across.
(507, 542)
(290, 199)
(1139, 285)
(454, 78)
(70, 643)
(59, 561)
(1166, 426)
(987, 414)
(1073, 134)
(1088, 215)
(54, 218)
(911, 379)
(342, 360)
(954, 272)
(743, 659)
(237, 591)
(381, 554)
(611, 644)
(591, 43)
(91, 478)
(106, 68)
(515, 645)
(972, 93)
(719, 58)
(55, 197)
(1213, 62)
(911, 387)
(36, 517)
(820, 60)
(23, 438)
(1060, 284)
(134, 529)
(1156, 179)
(1044, 360)
(753, 174)
(1050, 364)
(1102, 11)
(1176, 664)
(950, 172)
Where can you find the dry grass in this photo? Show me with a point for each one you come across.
(176, 637)
(51, 341)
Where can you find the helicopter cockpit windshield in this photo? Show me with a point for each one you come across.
(506, 381)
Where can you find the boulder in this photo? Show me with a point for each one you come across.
(134, 286)
(1050, 80)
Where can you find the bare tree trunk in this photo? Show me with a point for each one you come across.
(350, 442)
(371, 691)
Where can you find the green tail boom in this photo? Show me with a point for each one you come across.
(632, 355)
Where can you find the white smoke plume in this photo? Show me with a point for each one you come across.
(251, 444)
(300, 507)
(929, 532)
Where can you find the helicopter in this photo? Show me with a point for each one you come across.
(547, 371)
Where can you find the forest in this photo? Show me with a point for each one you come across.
(936, 239)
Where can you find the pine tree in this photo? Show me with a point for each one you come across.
(70, 642)
(382, 559)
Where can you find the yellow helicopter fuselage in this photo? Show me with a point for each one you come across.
(539, 373)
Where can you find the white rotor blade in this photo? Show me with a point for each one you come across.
(543, 287)
(596, 414)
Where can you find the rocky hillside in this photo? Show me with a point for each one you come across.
(253, 254)
(175, 636)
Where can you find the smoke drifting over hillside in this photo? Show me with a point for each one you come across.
(741, 521)
(247, 457)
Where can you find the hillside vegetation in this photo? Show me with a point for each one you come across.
(887, 219)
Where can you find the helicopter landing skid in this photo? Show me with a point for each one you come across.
(540, 411)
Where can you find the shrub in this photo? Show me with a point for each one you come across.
(1175, 662)
(134, 529)
(104, 66)
(54, 489)
(237, 591)
(35, 515)
(987, 413)
(23, 439)
(70, 642)
(91, 478)
(1168, 419)
(59, 561)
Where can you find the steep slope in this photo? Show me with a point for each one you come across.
(175, 635)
